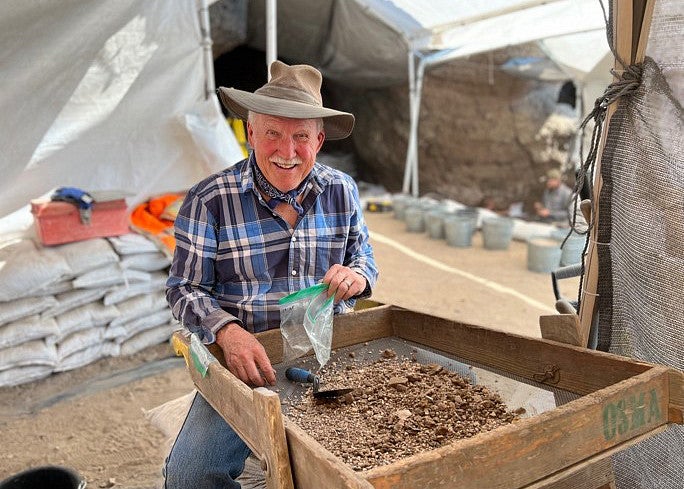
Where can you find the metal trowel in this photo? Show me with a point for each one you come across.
(296, 374)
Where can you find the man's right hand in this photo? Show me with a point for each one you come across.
(245, 356)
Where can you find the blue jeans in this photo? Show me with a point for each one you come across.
(207, 453)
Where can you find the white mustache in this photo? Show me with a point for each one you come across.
(296, 160)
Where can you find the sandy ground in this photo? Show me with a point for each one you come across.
(92, 419)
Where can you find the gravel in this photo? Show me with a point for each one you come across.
(398, 408)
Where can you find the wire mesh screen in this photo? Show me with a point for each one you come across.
(516, 392)
(641, 258)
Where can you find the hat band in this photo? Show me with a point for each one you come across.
(286, 93)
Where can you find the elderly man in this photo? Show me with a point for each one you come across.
(268, 226)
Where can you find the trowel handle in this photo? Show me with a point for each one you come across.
(296, 374)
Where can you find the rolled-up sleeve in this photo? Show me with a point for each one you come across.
(191, 278)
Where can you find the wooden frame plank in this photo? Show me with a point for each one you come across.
(578, 370)
(623, 401)
(315, 467)
(532, 448)
(255, 415)
(273, 443)
(564, 328)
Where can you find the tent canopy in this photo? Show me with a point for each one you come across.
(375, 43)
(105, 96)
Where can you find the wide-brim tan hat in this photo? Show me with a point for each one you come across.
(294, 92)
(553, 174)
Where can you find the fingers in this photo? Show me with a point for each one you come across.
(245, 356)
(343, 282)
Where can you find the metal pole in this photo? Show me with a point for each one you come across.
(205, 29)
(271, 34)
(418, 95)
(408, 168)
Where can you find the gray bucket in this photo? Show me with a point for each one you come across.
(400, 203)
(458, 231)
(543, 254)
(434, 223)
(497, 233)
(572, 249)
(415, 219)
(471, 213)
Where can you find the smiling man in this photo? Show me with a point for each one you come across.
(268, 226)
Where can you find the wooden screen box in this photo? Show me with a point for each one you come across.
(617, 403)
(60, 222)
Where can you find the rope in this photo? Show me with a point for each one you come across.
(625, 84)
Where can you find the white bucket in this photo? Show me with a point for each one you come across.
(497, 233)
(543, 254)
(458, 230)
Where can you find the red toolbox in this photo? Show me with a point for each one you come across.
(60, 222)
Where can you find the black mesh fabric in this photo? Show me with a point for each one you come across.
(641, 238)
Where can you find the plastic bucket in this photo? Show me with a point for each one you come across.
(543, 254)
(52, 477)
(414, 219)
(399, 204)
(497, 233)
(471, 213)
(572, 249)
(458, 231)
(434, 223)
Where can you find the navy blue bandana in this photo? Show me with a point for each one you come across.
(276, 196)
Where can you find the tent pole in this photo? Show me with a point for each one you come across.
(271, 34)
(409, 150)
(205, 29)
(414, 134)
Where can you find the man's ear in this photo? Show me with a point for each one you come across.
(321, 140)
(250, 131)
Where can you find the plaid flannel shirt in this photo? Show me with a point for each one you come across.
(235, 257)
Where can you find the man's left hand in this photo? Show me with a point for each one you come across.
(344, 282)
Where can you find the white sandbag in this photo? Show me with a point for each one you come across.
(108, 276)
(147, 262)
(78, 341)
(87, 356)
(139, 306)
(170, 416)
(157, 282)
(146, 339)
(27, 268)
(87, 316)
(21, 308)
(132, 243)
(37, 352)
(27, 329)
(23, 375)
(86, 255)
(54, 289)
(144, 323)
(524, 230)
(73, 299)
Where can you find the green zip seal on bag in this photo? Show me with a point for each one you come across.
(306, 319)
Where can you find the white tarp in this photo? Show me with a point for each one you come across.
(105, 96)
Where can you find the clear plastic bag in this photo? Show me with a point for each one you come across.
(306, 319)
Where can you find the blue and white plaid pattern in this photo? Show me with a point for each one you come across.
(235, 258)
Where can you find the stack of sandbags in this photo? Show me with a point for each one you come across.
(66, 306)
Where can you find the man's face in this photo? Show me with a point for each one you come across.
(285, 149)
(552, 183)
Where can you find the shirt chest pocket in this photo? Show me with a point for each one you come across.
(329, 250)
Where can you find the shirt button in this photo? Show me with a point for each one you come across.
(294, 272)
(294, 238)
